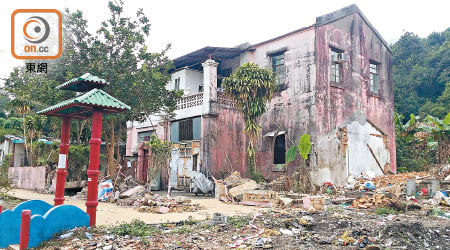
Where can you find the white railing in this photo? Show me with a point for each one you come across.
(224, 100)
(190, 101)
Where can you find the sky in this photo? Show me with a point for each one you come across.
(190, 25)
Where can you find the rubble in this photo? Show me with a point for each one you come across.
(284, 229)
(137, 190)
(237, 192)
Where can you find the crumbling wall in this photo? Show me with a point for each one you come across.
(32, 178)
(223, 143)
(339, 106)
(292, 110)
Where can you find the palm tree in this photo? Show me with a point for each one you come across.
(251, 88)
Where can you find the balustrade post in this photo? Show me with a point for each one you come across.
(210, 84)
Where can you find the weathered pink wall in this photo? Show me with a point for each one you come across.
(223, 142)
(308, 104)
(28, 177)
(337, 106)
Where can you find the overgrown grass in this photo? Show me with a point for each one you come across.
(182, 230)
(135, 228)
(384, 210)
(238, 221)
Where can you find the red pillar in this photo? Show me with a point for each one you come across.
(93, 172)
(24, 229)
(61, 173)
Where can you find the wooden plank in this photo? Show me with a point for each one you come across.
(378, 163)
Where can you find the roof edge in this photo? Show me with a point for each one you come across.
(285, 35)
(346, 11)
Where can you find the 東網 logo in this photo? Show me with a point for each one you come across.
(40, 28)
(36, 34)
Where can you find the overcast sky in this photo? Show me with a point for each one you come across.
(190, 25)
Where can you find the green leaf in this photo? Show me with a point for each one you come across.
(432, 145)
(304, 146)
(290, 154)
(411, 122)
(446, 120)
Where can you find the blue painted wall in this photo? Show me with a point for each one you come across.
(46, 221)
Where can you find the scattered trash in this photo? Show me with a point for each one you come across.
(369, 185)
(66, 235)
(286, 232)
(88, 235)
(105, 190)
(201, 184)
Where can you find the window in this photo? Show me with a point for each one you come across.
(145, 135)
(374, 84)
(185, 130)
(336, 67)
(177, 84)
(194, 162)
(278, 67)
(279, 150)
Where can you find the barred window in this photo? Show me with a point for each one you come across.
(185, 132)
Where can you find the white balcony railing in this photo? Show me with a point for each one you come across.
(190, 101)
(224, 100)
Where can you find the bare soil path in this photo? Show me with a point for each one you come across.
(109, 213)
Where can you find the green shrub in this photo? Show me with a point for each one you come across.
(135, 228)
(384, 210)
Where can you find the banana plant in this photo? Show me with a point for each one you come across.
(439, 136)
(303, 148)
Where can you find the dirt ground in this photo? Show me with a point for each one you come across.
(108, 213)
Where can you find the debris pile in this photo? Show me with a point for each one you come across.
(162, 205)
(287, 229)
(233, 187)
(376, 200)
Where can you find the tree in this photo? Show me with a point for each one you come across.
(35, 125)
(422, 142)
(251, 88)
(117, 53)
(421, 70)
(120, 55)
(160, 154)
(4, 100)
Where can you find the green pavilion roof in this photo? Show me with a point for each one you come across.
(81, 107)
(83, 83)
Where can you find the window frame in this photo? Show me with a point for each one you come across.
(151, 132)
(186, 130)
(374, 78)
(336, 67)
(279, 69)
(283, 150)
(177, 83)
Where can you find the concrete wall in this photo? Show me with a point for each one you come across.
(340, 106)
(19, 154)
(223, 143)
(188, 79)
(28, 177)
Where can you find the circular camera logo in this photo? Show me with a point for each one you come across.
(36, 29)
